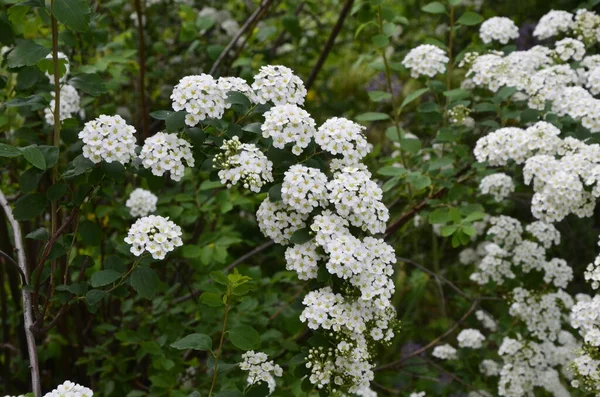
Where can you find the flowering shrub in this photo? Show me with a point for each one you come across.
(333, 199)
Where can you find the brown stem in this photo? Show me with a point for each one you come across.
(142, 73)
(255, 16)
(434, 342)
(329, 44)
(218, 354)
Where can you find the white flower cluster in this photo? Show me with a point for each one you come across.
(592, 273)
(340, 136)
(70, 389)
(418, 394)
(227, 84)
(141, 202)
(560, 169)
(487, 321)
(545, 233)
(470, 338)
(201, 97)
(304, 188)
(288, 124)
(164, 152)
(155, 234)
(357, 198)
(499, 29)
(303, 259)
(542, 314)
(278, 221)
(260, 369)
(426, 60)
(243, 162)
(278, 84)
(568, 48)
(586, 26)
(552, 24)
(445, 352)
(70, 104)
(499, 185)
(108, 138)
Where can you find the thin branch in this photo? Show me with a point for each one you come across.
(15, 265)
(142, 61)
(456, 378)
(431, 344)
(437, 276)
(27, 311)
(249, 22)
(397, 224)
(250, 254)
(329, 44)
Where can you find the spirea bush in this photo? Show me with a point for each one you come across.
(299, 198)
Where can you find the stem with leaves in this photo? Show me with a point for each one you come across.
(142, 63)
(217, 355)
(56, 139)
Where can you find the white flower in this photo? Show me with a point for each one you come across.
(340, 136)
(288, 124)
(164, 152)
(303, 259)
(70, 389)
(259, 369)
(243, 162)
(304, 188)
(227, 84)
(426, 60)
(69, 104)
(553, 24)
(279, 85)
(499, 29)
(445, 352)
(201, 97)
(141, 202)
(470, 338)
(154, 234)
(499, 185)
(567, 49)
(108, 138)
(278, 221)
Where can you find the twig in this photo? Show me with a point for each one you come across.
(250, 254)
(142, 61)
(434, 342)
(456, 378)
(249, 22)
(329, 44)
(437, 276)
(287, 304)
(27, 311)
(397, 224)
(15, 265)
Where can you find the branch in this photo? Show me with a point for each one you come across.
(27, 311)
(255, 16)
(250, 254)
(329, 44)
(397, 224)
(431, 344)
(437, 276)
(142, 61)
(15, 265)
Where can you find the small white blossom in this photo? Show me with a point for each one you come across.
(470, 338)
(154, 234)
(288, 124)
(278, 84)
(426, 60)
(141, 202)
(499, 29)
(108, 138)
(164, 152)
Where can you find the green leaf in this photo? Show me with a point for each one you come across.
(291, 23)
(34, 156)
(448, 230)
(193, 342)
(105, 277)
(237, 98)
(219, 278)
(244, 338)
(78, 166)
(145, 281)
(50, 154)
(34, 102)
(378, 96)
(211, 299)
(94, 296)
(56, 191)
(253, 127)
(175, 121)
(474, 216)
(39, 234)
(275, 193)
(392, 171)
(413, 96)
(434, 7)
(26, 53)
(457, 94)
(30, 179)
(73, 13)
(301, 236)
(418, 180)
(90, 83)
(505, 92)
(161, 114)
(90, 233)
(439, 216)
(380, 40)
(190, 251)
(30, 206)
(470, 18)
(9, 151)
(260, 389)
(411, 145)
(469, 230)
(372, 116)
